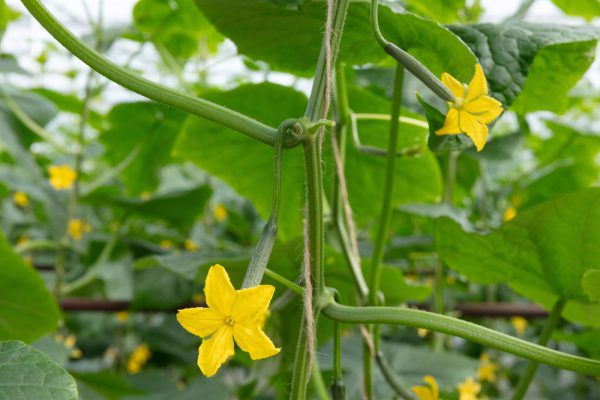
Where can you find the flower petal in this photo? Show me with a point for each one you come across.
(219, 291)
(485, 109)
(215, 350)
(457, 88)
(473, 128)
(200, 321)
(478, 85)
(450, 124)
(253, 340)
(251, 304)
(430, 380)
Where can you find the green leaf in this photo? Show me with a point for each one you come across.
(180, 207)
(106, 383)
(176, 25)
(289, 38)
(441, 143)
(444, 11)
(245, 164)
(152, 126)
(584, 8)
(542, 254)
(591, 284)
(28, 309)
(531, 65)
(26, 373)
(566, 162)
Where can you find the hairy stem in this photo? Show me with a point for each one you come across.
(466, 330)
(162, 94)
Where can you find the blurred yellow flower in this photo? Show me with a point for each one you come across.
(487, 369)
(509, 214)
(62, 176)
(469, 389)
(21, 199)
(429, 392)
(220, 212)
(472, 109)
(520, 324)
(70, 341)
(422, 332)
(166, 244)
(77, 228)
(231, 314)
(190, 245)
(22, 240)
(138, 358)
(122, 316)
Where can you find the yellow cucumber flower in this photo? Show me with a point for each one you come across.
(509, 214)
(231, 314)
(21, 199)
(487, 369)
(138, 358)
(191, 245)
(62, 176)
(220, 212)
(469, 389)
(429, 392)
(520, 324)
(77, 228)
(472, 109)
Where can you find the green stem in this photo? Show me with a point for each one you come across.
(299, 290)
(390, 377)
(551, 323)
(386, 117)
(390, 177)
(338, 374)
(318, 382)
(162, 94)
(408, 61)
(316, 101)
(262, 252)
(466, 330)
(33, 245)
(315, 243)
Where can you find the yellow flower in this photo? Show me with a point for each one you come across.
(122, 316)
(487, 369)
(77, 228)
(70, 341)
(429, 392)
(520, 324)
(138, 358)
(231, 314)
(220, 212)
(509, 214)
(166, 244)
(422, 332)
(62, 176)
(21, 199)
(469, 389)
(472, 109)
(22, 240)
(190, 245)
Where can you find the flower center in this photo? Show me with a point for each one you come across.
(229, 321)
(459, 102)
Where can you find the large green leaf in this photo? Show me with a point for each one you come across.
(27, 310)
(177, 26)
(289, 37)
(247, 165)
(26, 374)
(585, 8)
(444, 11)
(591, 284)
(566, 162)
(150, 127)
(543, 253)
(531, 65)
